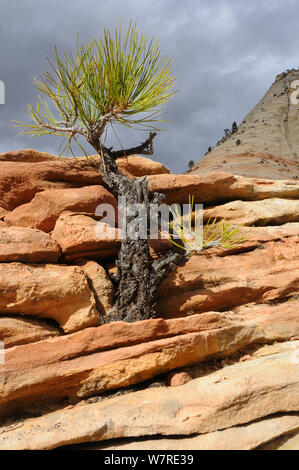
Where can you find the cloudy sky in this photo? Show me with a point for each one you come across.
(225, 54)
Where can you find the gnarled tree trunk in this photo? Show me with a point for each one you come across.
(138, 275)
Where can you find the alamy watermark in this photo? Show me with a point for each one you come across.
(2, 92)
(140, 222)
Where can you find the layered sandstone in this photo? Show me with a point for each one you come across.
(56, 292)
(267, 141)
(217, 309)
(27, 245)
(26, 172)
(15, 330)
(184, 411)
(116, 355)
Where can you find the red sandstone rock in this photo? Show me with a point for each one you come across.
(141, 166)
(268, 386)
(3, 212)
(133, 164)
(27, 156)
(116, 355)
(216, 187)
(81, 235)
(101, 284)
(266, 212)
(49, 291)
(45, 208)
(175, 379)
(16, 330)
(27, 172)
(210, 282)
(27, 245)
(247, 357)
(20, 181)
(243, 437)
(243, 284)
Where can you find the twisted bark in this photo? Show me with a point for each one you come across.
(138, 275)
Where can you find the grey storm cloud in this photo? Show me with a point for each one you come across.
(225, 56)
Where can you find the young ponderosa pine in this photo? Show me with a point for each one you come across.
(234, 127)
(191, 164)
(105, 82)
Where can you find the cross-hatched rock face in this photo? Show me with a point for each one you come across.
(266, 143)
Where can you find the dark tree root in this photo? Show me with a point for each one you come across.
(136, 297)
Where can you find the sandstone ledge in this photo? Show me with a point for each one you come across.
(211, 403)
(117, 355)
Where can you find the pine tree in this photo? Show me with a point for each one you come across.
(234, 127)
(106, 82)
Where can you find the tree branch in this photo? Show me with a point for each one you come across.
(161, 267)
(146, 148)
(73, 130)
